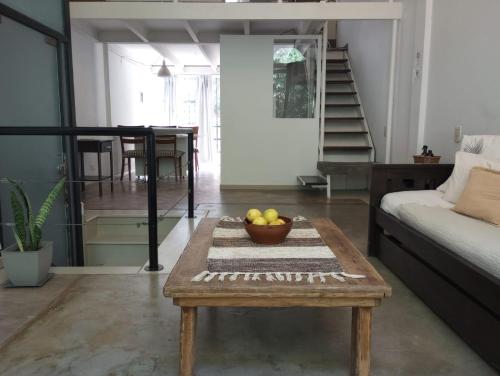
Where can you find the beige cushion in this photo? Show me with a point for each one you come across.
(464, 163)
(481, 196)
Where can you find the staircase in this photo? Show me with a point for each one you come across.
(346, 148)
(346, 137)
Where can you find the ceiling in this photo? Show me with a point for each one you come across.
(183, 43)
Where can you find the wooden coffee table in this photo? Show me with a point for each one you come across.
(360, 294)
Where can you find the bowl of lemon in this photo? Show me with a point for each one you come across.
(267, 227)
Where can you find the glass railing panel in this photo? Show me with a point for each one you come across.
(121, 238)
(95, 223)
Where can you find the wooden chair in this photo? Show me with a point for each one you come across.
(196, 150)
(173, 154)
(132, 153)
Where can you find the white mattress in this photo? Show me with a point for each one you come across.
(476, 241)
(391, 202)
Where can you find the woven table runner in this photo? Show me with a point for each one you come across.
(302, 256)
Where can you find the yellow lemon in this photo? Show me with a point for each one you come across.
(270, 215)
(277, 222)
(259, 221)
(252, 214)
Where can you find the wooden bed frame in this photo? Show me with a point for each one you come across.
(466, 297)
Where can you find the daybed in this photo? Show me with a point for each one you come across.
(451, 261)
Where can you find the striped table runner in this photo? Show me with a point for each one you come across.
(303, 256)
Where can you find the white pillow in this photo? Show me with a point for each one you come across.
(443, 187)
(488, 146)
(464, 162)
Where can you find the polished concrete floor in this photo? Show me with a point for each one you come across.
(122, 325)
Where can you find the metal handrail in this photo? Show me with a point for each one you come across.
(150, 134)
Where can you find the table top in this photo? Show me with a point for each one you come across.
(95, 138)
(194, 260)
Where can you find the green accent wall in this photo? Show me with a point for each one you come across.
(47, 12)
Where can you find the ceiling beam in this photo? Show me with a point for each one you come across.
(189, 29)
(164, 51)
(204, 51)
(209, 56)
(157, 36)
(303, 27)
(143, 34)
(139, 30)
(246, 27)
(380, 10)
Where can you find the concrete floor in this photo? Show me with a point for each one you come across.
(122, 325)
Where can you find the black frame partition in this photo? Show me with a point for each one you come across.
(150, 134)
(61, 40)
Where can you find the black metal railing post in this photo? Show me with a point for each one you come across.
(190, 176)
(152, 204)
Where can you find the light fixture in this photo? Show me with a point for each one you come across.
(164, 72)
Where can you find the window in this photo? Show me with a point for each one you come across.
(215, 114)
(294, 79)
(186, 111)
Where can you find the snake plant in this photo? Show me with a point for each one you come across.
(28, 227)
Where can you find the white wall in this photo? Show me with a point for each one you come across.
(370, 49)
(464, 81)
(258, 149)
(88, 76)
(88, 79)
(127, 82)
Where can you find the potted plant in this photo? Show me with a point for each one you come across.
(28, 261)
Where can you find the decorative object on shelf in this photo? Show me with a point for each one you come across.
(427, 156)
(303, 257)
(28, 261)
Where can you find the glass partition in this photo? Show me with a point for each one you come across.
(115, 221)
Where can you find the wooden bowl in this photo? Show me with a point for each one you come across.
(269, 234)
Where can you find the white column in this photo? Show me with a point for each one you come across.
(107, 89)
(424, 88)
(390, 101)
(324, 44)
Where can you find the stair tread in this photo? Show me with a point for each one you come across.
(342, 105)
(347, 147)
(336, 61)
(332, 168)
(340, 92)
(338, 70)
(344, 117)
(326, 163)
(312, 180)
(346, 132)
(333, 81)
(337, 49)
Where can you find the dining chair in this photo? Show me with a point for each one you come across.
(171, 153)
(196, 150)
(135, 153)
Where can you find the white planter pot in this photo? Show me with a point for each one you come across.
(28, 268)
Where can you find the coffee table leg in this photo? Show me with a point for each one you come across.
(360, 341)
(188, 335)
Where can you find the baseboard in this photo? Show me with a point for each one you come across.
(261, 187)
